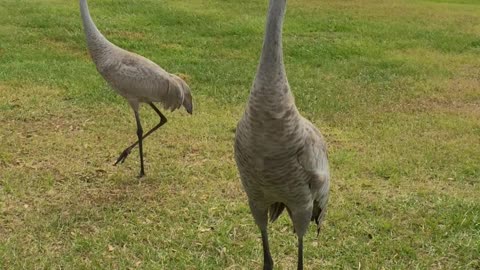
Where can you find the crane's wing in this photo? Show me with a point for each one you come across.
(314, 160)
(136, 77)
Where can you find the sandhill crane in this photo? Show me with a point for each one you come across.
(135, 78)
(281, 156)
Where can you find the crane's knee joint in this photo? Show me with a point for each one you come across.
(163, 120)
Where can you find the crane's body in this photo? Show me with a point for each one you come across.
(135, 78)
(281, 156)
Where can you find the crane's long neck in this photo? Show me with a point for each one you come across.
(271, 92)
(97, 44)
(271, 106)
(271, 65)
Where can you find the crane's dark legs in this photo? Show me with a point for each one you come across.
(127, 151)
(140, 143)
(260, 214)
(300, 254)
(267, 257)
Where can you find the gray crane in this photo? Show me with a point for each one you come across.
(135, 78)
(281, 156)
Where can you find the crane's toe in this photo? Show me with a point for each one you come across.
(123, 156)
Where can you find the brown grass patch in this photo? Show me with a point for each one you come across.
(456, 96)
(65, 48)
(138, 36)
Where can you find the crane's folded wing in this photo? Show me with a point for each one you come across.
(138, 78)
(314, 159)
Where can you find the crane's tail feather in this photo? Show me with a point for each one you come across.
(187, 100)
(276, 210)
(185, 93)
(321, 185)
(318, 214)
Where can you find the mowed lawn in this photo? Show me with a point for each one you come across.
(393, 85)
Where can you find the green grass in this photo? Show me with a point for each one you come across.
(393, 85)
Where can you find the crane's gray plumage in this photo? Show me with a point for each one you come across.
(281, 156)
(136, 78)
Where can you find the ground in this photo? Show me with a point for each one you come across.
(393, 85)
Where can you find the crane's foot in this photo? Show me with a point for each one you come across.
(142, 172)
(123, 156)
(268, 266)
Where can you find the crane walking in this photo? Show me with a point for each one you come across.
(135, 78)
(281, 156)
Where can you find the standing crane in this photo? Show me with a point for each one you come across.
(135, 78)
(281, 156)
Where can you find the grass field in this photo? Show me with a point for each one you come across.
(393, 85)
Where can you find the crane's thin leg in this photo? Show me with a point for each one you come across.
(300, 253)
(127, 151)
(301, 219)
(260, 214)
(267, 257)
(140, 143)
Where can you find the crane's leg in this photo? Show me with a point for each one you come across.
(127, 151)
(267, 257)
(140, 143)
(301, 219)
(300, 253)
(261, 218)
